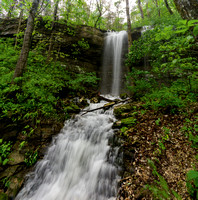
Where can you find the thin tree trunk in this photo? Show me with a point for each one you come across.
(21, 64)
(147, 10)
(68, 9)
(20, 21)
(128, 25)
(53, 26)
(168, 7)
(89, 11)
(140, 8)
(157, 6)
(100, 13)
(97, 20)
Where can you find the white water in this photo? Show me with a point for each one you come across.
(77, 165)
(112, 63)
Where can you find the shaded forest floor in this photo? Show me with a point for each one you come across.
(159, 149)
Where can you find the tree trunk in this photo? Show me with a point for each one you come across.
(68, 9)
(157, 6)
(53, 25)
(26, 41)
(147, 10)
(20, 21)
(99, 6)
(188, 9)
(168, 7)
(128, 25)
(140, 8)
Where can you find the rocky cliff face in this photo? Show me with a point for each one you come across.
(80, 46)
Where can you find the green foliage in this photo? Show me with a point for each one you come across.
(157, 122)
(143, 83)
(151, 16)
(128, 121)
(170, 51)
(30, 158)
(22, 144)
(190, 129)
(6, 182)
(165, 98)
(160, 189)
(3, 196)
(5, 149)
(192, 183)
(37, 93)
(83, 44)
(83, 81)
(124, 131)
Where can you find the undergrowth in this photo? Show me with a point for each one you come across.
(39, 92)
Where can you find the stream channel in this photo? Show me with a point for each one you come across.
(80, 163)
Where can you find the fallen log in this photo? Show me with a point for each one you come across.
(106, 106)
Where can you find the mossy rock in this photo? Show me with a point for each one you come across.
(124, 95)
(3, 196)
(15, 185)
(119, 110)
(128, 121)
(72, 109)
(117, 124)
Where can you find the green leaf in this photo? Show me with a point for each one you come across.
(195, 30)
(176, 195)
(5, 161)
(183, 30)
(192, 175)
(192, 22)
(182, 22)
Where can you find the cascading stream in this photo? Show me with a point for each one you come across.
(78, 164)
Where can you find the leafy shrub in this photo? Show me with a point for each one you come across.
(128, 121)
(171, 52)
(5, 149)
(164, 98)
(143, 83)
(31, 158)
(192, 183)
(39, 91)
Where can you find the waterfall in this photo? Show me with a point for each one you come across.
(112, 70)
(78, 164)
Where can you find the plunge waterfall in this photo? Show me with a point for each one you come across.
(112, 70)
(80, 163)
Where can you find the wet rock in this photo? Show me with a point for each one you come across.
(9, 171)
(3, 196)
(117, 124)
(15, 158)
(94, 100)
(9, 131)
(14, 187)
(72, 109)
